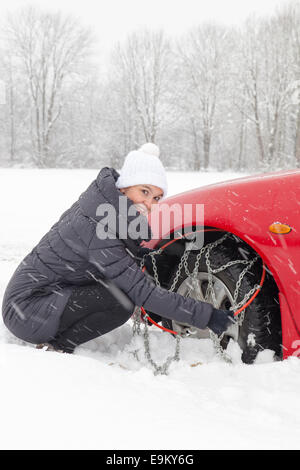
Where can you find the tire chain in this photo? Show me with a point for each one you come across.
(164, 368)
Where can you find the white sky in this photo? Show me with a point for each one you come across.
(113, 19)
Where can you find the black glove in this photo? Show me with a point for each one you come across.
(220, 320)
(176, 248)
(173, 249)
(142, 251)
(166, 259)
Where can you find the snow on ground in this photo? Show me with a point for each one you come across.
(102, 397)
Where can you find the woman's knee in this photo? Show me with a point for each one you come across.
(124, 313)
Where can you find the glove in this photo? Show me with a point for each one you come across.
(220, 320)
(175, 249)
(147, 260)
(142, 251)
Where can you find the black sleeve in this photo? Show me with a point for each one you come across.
(116, 264)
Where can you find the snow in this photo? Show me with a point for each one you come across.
(103, 397)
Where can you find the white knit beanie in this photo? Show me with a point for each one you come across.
(143, 166)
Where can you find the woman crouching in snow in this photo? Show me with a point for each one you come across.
(64, 291)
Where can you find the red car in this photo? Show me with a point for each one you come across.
(250, 256)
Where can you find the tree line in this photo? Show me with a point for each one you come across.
(216, 97)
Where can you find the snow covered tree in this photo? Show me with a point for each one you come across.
(217, 97)
(49, 48)
(141, 65)
(291, 18)
(202, 63)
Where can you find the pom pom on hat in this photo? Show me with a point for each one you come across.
(150, 148)
(143, 166)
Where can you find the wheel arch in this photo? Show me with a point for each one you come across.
(211, 235)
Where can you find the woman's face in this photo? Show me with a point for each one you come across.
(144, 196)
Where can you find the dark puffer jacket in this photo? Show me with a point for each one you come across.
(71, 253)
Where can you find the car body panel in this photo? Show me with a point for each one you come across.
(247, 207)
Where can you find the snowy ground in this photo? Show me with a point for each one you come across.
(102, 397)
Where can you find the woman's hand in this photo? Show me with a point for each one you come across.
(220, 320)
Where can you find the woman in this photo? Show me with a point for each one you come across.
(82, 279)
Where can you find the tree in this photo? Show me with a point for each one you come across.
(201, 56)
(142, 64)
(291, 17)
(50, 49)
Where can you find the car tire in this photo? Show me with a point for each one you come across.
(261, 325)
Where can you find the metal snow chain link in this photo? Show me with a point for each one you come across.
(163, 369)
(215, 338)
(158, 369)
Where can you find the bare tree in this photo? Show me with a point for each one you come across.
(201, 58)
(142, 63)
(222, 97)
(11, 103)
(251, 76)
(12, 109)
(50, 48)
(278, 71)
(291, 18)
(266, 76)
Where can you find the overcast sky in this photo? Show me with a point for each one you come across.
(113, 19)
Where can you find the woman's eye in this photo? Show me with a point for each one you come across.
(145, 191)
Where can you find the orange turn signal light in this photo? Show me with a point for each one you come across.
(278, 228)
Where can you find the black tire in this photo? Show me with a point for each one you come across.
(261, 327)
